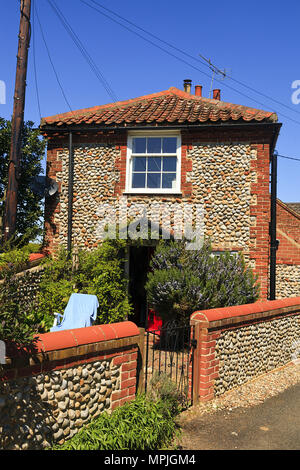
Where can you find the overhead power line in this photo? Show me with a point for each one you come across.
(289, 158)
(187, 55)
(51, 61)
(83, 50)
(203, 62)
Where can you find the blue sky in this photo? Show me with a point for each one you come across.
(256, 42)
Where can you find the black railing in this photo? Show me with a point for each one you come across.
(169, 352)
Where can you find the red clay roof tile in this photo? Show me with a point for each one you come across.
(173, 106)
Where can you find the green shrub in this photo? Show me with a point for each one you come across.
(143, 424)
(13, 325)
(55, 288)
(163, 388)
(13, 260)
(99, 272)
(182, 281)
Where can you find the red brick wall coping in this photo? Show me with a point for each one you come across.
(35, 256)
(57, 340)
(217, 317)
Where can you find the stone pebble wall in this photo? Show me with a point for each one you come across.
(220, 179)
(48, 408)
(249, 351)
(287, 281)
(27, 287)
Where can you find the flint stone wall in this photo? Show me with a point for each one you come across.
(236, 344)
(287, 280)
(50, 408)
(249, 351)
(74, 375)
(219, 177)
(27, 287)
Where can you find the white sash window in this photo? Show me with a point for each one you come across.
(153, 163)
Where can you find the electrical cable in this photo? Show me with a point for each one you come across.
(192, 57)
(289, 158)
(83, 50)
(52, 64)
(182, 60)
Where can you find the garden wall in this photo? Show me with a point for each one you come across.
(27, 282)
(73, 376)
(236, 344)
(288, 254)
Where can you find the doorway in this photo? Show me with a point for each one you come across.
(139, 265)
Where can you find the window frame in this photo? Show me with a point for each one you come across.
(129, 163)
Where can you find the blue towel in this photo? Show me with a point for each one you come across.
(80, 312)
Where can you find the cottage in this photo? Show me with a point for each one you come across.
(168, 149)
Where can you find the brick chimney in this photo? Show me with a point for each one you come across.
(198, 90)
(187, 85)
(217, 94)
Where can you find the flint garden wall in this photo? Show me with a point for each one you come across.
(72, 377)
(236, 344)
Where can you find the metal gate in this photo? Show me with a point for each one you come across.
(170, 353)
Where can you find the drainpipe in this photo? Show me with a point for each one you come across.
(70, 193)
(273, 242)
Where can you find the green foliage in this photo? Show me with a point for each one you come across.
(99, 272)
(13, 325)
(163, 388)
(29, 208)
(143, 424)
(182, 281)
(55, 288)
(12, 262)
(16, 259)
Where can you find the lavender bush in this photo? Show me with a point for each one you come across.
(182, 281)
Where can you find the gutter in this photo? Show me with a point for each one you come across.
(197, 126)
(273, 215)
(273, 241)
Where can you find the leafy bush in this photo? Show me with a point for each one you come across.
(13, 260)
(182, 281)
(162, 387)
(13, 325)
(99, 272)
(143, 424)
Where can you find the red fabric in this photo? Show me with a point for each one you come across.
(154, 321)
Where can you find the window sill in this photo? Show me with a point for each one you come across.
(153, 193)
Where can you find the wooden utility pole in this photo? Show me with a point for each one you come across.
(17, 121)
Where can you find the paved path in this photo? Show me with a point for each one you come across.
(272, 425)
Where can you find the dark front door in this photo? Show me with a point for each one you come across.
(139, 259)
